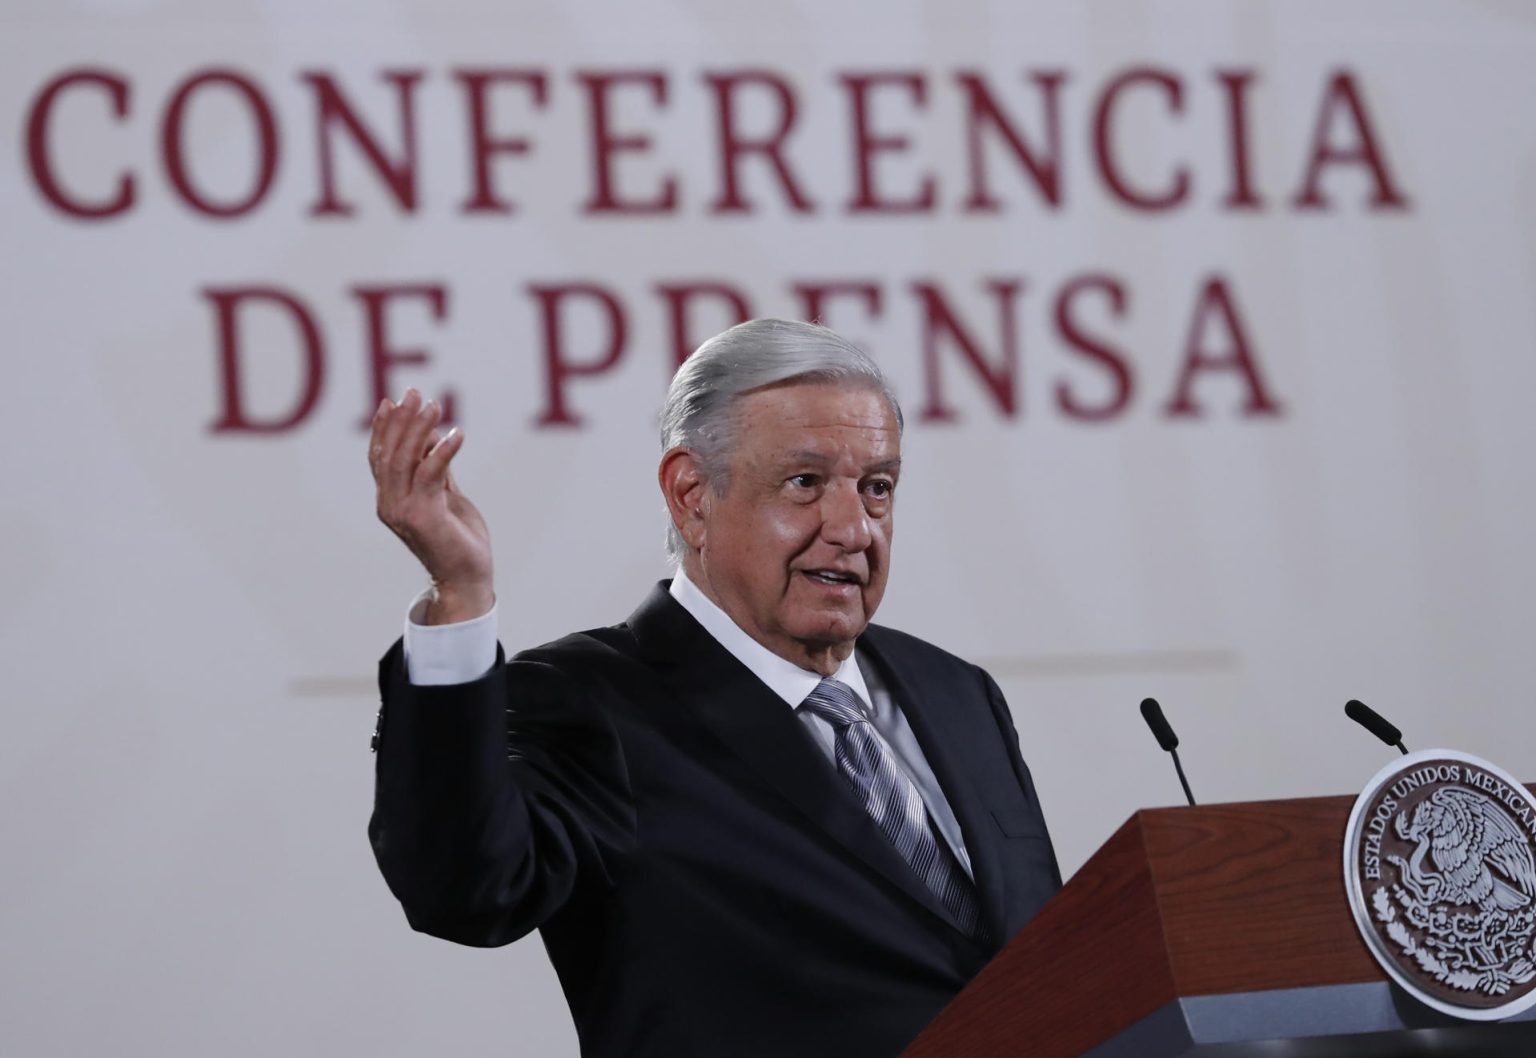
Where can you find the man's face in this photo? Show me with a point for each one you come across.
(797, 549)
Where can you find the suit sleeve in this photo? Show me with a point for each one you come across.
(497, 802)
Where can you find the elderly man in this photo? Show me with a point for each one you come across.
(746, 821)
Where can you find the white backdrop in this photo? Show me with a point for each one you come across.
(192, 614)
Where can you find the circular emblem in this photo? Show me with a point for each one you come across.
(1440, 868)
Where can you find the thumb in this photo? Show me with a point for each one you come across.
(432, 471)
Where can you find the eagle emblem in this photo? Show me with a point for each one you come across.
(1441, 871)
(1478, 854)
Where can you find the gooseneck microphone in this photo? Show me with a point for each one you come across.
(1152, 713)
(1375, 723)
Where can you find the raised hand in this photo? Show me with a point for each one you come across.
(419, 502)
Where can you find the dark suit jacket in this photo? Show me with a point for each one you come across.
(704, 880)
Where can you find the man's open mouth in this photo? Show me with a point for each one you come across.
(827, 576)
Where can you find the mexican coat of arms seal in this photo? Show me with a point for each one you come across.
(1440, 869)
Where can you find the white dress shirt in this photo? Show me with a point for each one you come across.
(465, 651)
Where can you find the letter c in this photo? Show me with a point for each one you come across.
(41, 164)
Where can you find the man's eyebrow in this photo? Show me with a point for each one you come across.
(809, 455)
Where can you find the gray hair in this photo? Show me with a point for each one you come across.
(699, 414)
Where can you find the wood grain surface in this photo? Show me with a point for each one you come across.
(1179, 902)
(1092, 962)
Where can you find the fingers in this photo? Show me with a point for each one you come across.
(433, 471)
(376, 435)
(405, 440)
(388, 431)
(427, 444)
(418, 434)
(408, 455)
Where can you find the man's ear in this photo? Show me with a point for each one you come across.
(687, 494)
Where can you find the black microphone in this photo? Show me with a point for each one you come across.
(1152, 713)
(1373, 722)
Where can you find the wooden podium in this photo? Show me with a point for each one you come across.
(1216, 931)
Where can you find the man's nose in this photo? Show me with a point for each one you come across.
(844, 521)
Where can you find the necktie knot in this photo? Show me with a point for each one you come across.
(835, 703)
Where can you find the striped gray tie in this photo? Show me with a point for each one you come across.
(891, 799)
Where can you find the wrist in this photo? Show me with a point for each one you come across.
(453, 603)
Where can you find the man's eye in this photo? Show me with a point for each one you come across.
(880, 488)
(805, 481)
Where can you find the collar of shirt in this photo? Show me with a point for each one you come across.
(783, 677)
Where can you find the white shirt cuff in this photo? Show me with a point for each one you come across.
(436, 655)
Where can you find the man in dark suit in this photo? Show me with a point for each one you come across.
(746, 821)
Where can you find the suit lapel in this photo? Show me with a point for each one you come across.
(923, 701)
(757, 726)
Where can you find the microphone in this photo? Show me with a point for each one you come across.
(1375, 723)
(1152, 713)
